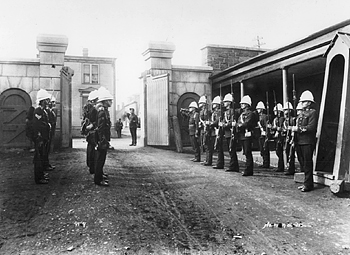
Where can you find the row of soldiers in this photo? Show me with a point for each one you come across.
(96, 126)
(208, 128)
(40, 128)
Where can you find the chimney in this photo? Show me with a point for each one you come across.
(85, 52)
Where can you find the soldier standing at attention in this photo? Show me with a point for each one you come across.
(104, 134)
(289, 150)
(229, 118)
(306, 129)
(209, 133)
(41, 135)
(193, 126)
(90, 122)
(276, 129)
(133, 123)
(246, 124)
(263, 139)
(217, 124)
(52, 113)
(204, 116)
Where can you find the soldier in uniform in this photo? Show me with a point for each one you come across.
(52, 113)
(89, 129)
(276, 129)
(41, 135)
(263, 139)
(193, 128)
(231, 141)
(119, 127)
(289, 149)
(133, 123)
(306, 129)
(217, 124)
(104, 134)
(205, 130)
(245, 126)
(299, 109)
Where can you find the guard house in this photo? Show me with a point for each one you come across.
(318, 63)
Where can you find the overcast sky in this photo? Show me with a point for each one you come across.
(123, 28)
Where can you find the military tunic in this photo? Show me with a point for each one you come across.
(246, 124)
(277, 132)
(230, 116)
(307, 127)
(264, 139)
(289, 148)
(207, 135)
(193, 128)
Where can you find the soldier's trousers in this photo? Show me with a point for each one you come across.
(299, 156)
(220, 162)
(195, 147)
(290, 153)
(307, 164)
(209, 149)
(90, 157)
(247, 149)
(133, 135)
(40, 159)
(264, 151)
(279, 153)
(101, 155)
(232, 149)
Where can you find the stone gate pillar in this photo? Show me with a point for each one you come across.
(52, 49)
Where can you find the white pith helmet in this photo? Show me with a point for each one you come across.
(288, 106)
(306, 96)
(93, 95)
(104, 94)
(202, 100)
(193, 105)
(278, 107)
(228, 98)
(42, 95)
(260, 105)
(216, 100)
(246, 100)
(299, 106)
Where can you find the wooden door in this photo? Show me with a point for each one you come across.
(14, 104)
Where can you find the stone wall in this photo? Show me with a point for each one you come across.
(221, 57)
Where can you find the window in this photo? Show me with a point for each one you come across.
(90, 74)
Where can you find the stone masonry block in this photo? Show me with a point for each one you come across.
(50, 84)
(27, 84)
(48, 71)
(33, 71)
(179, 88)
(14, 70)
(51, 58)
(36, 83)
(4, 84)
(15, 82)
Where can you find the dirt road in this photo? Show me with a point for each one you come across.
(159, 202)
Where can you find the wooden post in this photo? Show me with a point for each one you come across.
(284, 85)
(242, 89)
(177, 133)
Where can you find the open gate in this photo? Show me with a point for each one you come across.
(14, 104)
(158, 110)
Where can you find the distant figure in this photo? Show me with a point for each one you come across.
(119, 127)
(133, 123)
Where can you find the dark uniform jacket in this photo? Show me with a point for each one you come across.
(52, 120)
(204, 116)
(229, 116)
(41, 124)
(247, 119)
(118, 125)
(277, 123)
(193, 123)
(133, 121)
(307, 126)
(103, 124)
(263, 121)
(288, 122)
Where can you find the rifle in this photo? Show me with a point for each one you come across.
(233, 119)
(277, 134)
(292, 139)
(267, 137)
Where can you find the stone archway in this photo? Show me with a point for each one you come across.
(14, 104)
(184, 102)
